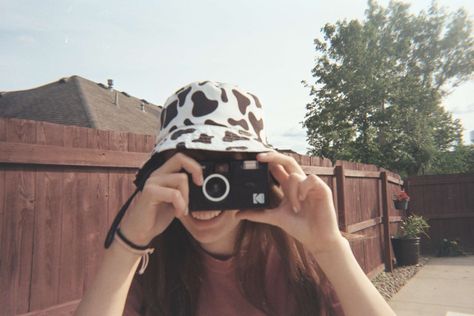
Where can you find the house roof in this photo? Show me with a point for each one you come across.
(78, 101)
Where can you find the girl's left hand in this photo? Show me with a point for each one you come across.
(307, 210)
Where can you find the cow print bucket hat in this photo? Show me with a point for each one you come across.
(204, 115)
(213, 116)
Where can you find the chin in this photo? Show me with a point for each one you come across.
(207, 237)
(216, 232)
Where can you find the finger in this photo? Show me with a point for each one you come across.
(178, 181)
(278, 173)
(292, 191)
(289, 163)
(313, 182)
(180, 161)
(171, 196)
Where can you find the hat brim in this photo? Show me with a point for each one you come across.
(212, 138)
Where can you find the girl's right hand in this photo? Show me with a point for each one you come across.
(164, 197)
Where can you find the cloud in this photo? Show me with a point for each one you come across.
(293, 138)
(26, 39)
(294, 132)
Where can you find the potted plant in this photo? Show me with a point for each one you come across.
(406, 245)
(400, 200)
(450, 248)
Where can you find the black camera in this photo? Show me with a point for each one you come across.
(231, 185)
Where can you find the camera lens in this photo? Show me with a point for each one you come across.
(215, 187)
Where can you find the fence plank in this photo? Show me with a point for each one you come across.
(341, 203)
(47, 239)
(357, 247)
(97, 139)
(386, 224)
(4, 285)
(17, 242)
(363, 225)
(118, 141)
(75, 136)
(3, 129)
(119, 189)
(49, 134)
(320, 171)
(20, 131)
(72, 258)
(63, 156)
(95, 219)
(362, 174)
(136, 143)
(149, 143)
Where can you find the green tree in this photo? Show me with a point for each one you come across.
(379, 85)
(459, 160)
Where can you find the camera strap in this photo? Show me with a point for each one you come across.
(140, 179)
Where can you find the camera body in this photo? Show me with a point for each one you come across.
(231, 185)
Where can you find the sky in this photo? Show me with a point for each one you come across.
(152, 48)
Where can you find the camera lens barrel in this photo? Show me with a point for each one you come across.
(216, 187)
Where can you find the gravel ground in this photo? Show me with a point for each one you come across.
(389, 283)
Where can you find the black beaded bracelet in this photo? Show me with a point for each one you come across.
(130, 243)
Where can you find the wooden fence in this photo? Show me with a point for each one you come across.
(61, 186)
(447, 201)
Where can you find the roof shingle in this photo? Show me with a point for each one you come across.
(78, 101)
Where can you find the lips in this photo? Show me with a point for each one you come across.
(206, 215)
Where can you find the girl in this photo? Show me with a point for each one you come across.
(289, 259)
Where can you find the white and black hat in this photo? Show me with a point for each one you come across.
(212, 116)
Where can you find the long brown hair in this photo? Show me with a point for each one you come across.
(174, 275)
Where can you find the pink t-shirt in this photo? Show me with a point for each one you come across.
(220, 294)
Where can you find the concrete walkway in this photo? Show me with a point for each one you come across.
(444, 287)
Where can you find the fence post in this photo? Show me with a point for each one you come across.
(386, 223)
(341, 201)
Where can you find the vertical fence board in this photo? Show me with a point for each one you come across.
(341, 198)
(3, 129)
(72, 260)
(352, 214)
(118, 141)
(119, 188)
(149, 143)
(17, 242)
(386, 223)
(75, 136)
(20, 131)
(47, 239)
(4, 285)
(49, 134)
(97, 139)
(95, 219)
(357, 247)
(131, 142)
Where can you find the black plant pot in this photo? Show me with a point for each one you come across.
(407, 250)
(400, 205)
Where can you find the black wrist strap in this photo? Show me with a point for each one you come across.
(130, 243)
(142, 175)
(115, 224)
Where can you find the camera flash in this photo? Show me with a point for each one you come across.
(222, 168)
(250, 164)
